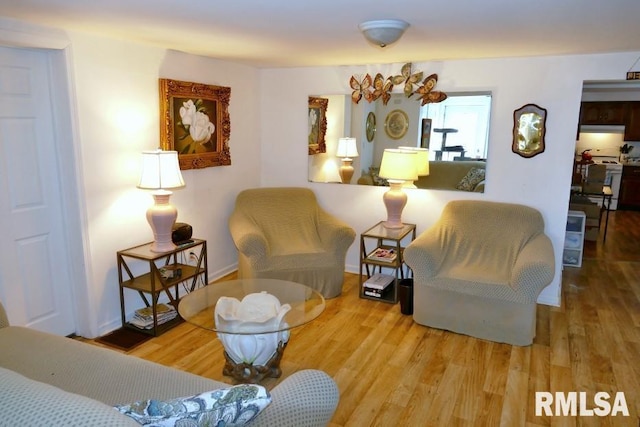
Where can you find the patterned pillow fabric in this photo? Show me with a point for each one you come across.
(229, 407)
(471, 179)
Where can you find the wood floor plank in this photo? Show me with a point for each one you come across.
(393, 371)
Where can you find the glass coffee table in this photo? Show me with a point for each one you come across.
(253, 349)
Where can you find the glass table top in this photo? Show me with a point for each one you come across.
(198, 307)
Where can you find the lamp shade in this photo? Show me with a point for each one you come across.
(422, 159)
(383, 32)
(398, 165)
(347, 148)
(160, 170)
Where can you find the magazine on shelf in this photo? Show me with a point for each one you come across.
(382, 254)
(378, 282)
(143, 317)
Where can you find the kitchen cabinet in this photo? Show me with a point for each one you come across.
(613, 113)
(629, 197)
(632, 125)
(603, 113)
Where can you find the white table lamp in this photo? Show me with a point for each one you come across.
(422, 163)
(161, 172)
(347, 149)
(398, 166)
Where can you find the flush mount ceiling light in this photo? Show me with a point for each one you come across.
(383, 32)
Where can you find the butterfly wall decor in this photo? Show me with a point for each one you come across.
(426, 92)
(382, 88)
(379, 87)
(407, 78)
(361, 88)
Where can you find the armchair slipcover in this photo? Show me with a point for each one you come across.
(282, 233)
(479, 270)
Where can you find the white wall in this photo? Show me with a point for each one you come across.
(554, 83)
(116, 85)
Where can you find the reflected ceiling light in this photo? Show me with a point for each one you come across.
(383, 32)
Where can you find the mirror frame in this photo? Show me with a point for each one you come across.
(517, 115)
(318, 144)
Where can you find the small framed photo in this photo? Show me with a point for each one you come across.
(425, 138)
(194, 121)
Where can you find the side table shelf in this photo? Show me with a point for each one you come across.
(385, 238)
(151, 284)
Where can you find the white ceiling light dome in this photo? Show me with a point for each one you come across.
(383, 32)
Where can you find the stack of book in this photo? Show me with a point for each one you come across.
(143, 318)
(382, 254)
(377, 285)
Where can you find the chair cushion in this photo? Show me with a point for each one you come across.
(469, 182)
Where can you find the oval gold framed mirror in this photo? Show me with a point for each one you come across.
(529, 127)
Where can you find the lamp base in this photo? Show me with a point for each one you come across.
(161, 217)
(346, 170)
(394, 200)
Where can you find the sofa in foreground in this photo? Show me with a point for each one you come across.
(49, 380)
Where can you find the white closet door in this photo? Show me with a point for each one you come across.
(34, 269)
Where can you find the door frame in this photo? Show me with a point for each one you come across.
(57, 46)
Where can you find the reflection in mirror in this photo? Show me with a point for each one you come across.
(528, 130)
(455, 131)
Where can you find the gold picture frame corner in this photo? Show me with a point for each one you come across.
(205, 105)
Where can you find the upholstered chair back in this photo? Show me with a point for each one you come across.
(288, 217)
(481, 240)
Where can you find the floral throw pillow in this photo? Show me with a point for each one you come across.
(233, 406)
(471, 179)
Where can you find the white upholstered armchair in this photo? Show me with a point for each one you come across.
(282, 233)
(479, 270)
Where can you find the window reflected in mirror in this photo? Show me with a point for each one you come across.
(455, 131)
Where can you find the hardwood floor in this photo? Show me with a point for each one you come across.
(394, 372)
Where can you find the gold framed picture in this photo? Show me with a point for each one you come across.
(194, 121)
(317, 124)
(396, 124)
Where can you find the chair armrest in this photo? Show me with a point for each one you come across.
(247, 237)
(333, 232)
(424, 255)
(4, 320)
(308, 398)
(534, 267)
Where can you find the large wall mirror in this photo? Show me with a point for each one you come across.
(455, 131)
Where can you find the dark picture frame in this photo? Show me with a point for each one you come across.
(317, 124)
(425, 133)
(195, 122)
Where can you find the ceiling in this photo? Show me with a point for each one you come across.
(289, 33)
